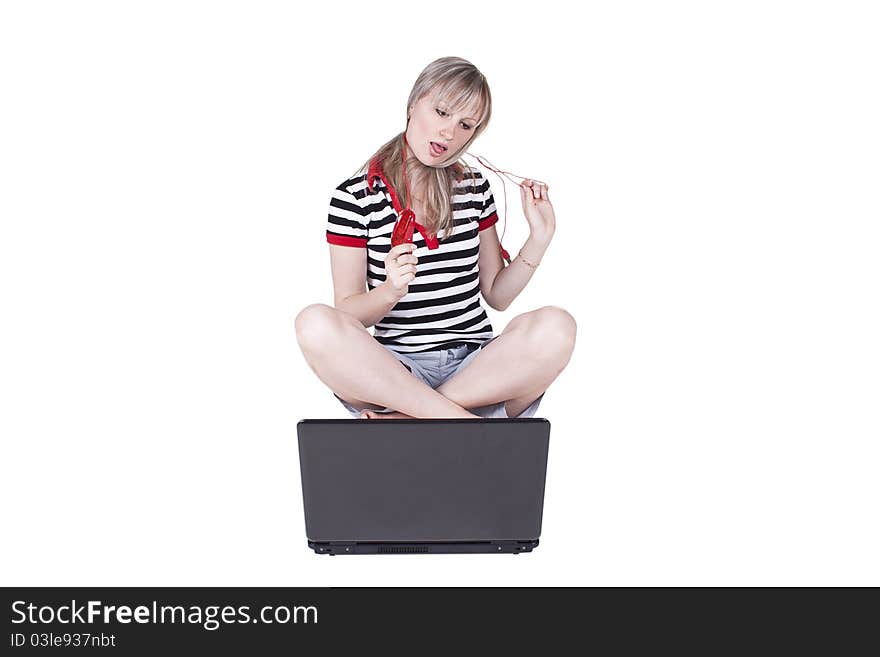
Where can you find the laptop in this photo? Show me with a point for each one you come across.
(423, 486)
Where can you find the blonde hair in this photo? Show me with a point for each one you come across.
(459, 84)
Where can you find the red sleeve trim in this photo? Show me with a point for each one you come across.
(488, 222)
(343, 240)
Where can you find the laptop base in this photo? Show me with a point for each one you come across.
(466, 547)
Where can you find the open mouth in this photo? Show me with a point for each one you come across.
(437, 149)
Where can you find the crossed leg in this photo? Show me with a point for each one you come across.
(516, 368)
(361, 371)
(519, 365)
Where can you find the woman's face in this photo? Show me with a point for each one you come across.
(431, 124)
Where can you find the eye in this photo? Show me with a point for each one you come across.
(463, 124)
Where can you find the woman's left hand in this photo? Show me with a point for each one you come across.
(538, 210)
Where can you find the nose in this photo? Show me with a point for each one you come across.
(447, 131)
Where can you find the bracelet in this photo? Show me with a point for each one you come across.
(526, 262)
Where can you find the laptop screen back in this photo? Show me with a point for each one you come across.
(423, 480)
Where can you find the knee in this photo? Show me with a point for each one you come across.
(553, 332)
(316, 326)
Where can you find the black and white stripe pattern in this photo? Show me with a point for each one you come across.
(442, 308)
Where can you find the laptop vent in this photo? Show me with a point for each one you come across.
(402, 549)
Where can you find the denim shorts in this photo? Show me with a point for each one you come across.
(435, 367)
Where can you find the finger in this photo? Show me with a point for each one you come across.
(401, 257)
(402, 248)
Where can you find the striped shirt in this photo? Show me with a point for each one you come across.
(442, 307)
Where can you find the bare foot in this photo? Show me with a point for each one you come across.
(372, 415)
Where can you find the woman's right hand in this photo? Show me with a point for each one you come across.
(400, 268)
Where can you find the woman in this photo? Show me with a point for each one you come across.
(433, 354)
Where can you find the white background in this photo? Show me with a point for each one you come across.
(165, 172)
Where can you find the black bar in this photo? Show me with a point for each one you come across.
(376, 620)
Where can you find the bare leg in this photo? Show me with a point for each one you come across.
(519, 365)
(361, 371)
(373, 415)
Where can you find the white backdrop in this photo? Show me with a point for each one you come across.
(165, 171)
